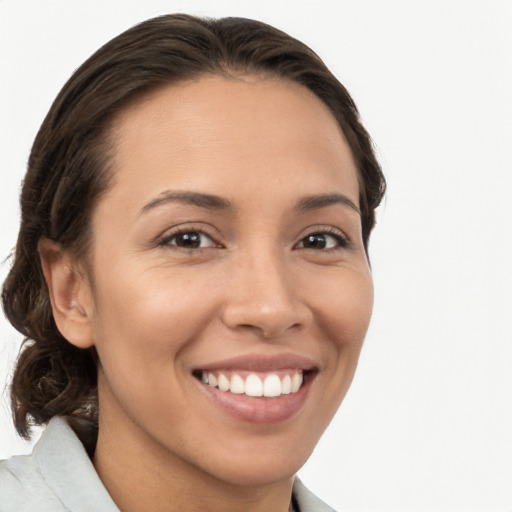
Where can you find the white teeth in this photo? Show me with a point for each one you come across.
(296, 382)
(272, 386)
(286, 385)
(212, 380)
(237, 384)
(223, 382)
(254, 385)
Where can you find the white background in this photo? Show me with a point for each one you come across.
(427, 424)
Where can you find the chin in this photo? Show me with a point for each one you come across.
(251, 474)
(263, 463)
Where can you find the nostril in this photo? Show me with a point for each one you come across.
(267, 331)
(267, 304)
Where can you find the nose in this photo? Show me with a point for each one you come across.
(263, 297)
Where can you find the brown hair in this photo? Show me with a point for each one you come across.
(68, 170)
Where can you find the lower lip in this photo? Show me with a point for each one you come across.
(259, 410)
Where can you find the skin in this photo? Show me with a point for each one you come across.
(156, 311)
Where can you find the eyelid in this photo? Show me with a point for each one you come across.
(164, 239)
(344, 240)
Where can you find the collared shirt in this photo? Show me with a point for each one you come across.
(59, 477)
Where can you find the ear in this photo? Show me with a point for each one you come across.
(70, 294)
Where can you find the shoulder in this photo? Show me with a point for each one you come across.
(306, 500)
(23, 484)
(57, 476)
(22, 487)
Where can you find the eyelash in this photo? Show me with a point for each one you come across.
(166, 240)
(341, 240)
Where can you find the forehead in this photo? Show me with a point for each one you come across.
(228, 135)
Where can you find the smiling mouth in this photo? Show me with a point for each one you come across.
(270, 385)
(258, 389)
(253, 384)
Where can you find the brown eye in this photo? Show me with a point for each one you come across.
(189, 240)
(322, 241)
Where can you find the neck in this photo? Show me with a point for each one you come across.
(141, 475)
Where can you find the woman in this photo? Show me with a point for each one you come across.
(191, 273)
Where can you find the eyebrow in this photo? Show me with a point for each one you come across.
(315, 202)
(209, 201)
(213, 202)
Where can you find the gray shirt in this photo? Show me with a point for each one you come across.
(59, 476)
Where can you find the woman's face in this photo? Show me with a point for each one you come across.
(228, 250)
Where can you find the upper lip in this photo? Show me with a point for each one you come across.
(262, 363)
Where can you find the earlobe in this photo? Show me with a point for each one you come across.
(70, 294)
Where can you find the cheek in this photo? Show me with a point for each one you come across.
(343, 310)
(148, 319)
(145, 328)
(343, 302)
